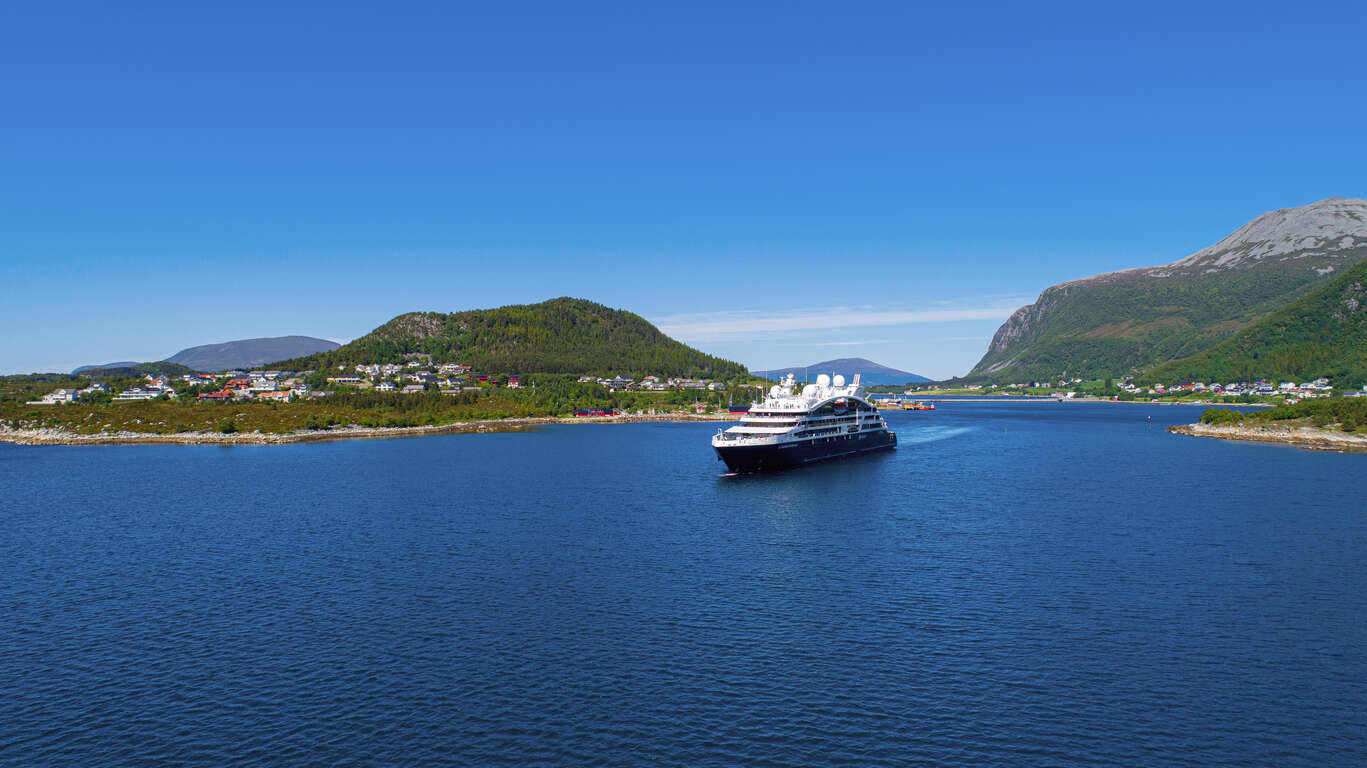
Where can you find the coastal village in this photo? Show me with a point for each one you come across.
(416, 376)
(1288, 392)
(423, 396)
(421, 375)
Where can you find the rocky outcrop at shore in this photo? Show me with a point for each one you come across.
(1295, 434)
(62, 437)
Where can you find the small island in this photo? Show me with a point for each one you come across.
(269, 407)
(1335, 424)
(514, 367)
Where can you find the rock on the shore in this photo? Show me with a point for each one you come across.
(49, 436)
(1303, 436)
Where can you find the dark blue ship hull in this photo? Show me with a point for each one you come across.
(759, 458)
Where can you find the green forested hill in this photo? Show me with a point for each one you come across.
(558, 336)
(1321, 334)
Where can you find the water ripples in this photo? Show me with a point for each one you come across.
(1013, 586)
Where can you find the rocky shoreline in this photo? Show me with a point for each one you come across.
(63, 437)
(1313, 438)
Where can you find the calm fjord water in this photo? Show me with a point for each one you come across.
(1018, 584)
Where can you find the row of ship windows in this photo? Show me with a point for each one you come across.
(824, 411)
(815, 419)
(868, 426)
(832, 431)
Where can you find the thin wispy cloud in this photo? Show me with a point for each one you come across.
(808, 343)
(838, 343)
(745, 324)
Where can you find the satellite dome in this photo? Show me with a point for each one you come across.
(823, 380)
(775, 391)
(809, 390)
(839, 380)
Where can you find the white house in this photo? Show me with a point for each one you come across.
(62, 396)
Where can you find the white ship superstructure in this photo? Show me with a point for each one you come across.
(794, 426)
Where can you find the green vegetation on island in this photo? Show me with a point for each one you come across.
(544, 395)
(1346, 414)
(418, 370)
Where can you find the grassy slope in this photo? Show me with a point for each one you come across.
(1322, 334)
(557, 336)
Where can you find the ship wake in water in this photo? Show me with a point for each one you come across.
(931, 434)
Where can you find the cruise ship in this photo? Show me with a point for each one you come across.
(795, 427)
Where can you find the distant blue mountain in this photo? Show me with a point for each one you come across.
(250, 353)
(870, 372)
(123, 364)
(244, 353)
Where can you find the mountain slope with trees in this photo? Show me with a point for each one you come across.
(1128, 322)
(1321, 334)
(562, 335)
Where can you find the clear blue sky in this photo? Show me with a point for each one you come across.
(775, 183)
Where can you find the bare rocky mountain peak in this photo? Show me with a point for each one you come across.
(1322, 229)
(1318, 229)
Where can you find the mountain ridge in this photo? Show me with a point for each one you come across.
(1129, 321)
(249, 353)
(226, 355)
(107, 366)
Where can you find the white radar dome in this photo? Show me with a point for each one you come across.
(823, 380)
(839, 380)
(775, 391)
(809, 390)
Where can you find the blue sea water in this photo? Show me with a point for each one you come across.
(1019, 584)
